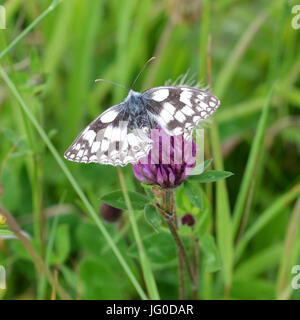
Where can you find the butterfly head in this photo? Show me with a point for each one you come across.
(133, 96)
(134, 101)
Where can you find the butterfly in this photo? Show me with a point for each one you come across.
(121, 134)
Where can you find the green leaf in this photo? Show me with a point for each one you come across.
(211, 256)
(35, 62)
(193, 193)
(70, 277)
(211, 176)
(253, 289)
(89, 239)
(152, 217)
(203, 223)
(62, 243)
(160, 248)
(116, 199)
(148, 190)
(207, 163)
(94, 284)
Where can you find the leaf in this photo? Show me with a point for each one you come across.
(207, 163)
(211, 176)
(70, 277)
(152, 217)
(98, 280)
(211, 256)
(185, 231)
(148, 190)
(203, 223)
(35, 62)
(89, 239)
(116, 199)
(253, 289)
(160, 248)
(62, 243)
(193, 193)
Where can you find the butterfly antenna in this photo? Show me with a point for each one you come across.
(145, 65)
(111, 82)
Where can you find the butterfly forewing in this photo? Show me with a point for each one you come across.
(109, 140)
(179, 109)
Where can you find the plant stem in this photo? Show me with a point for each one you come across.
(170, 218)
(182, 294)
(145, 264)
(196, 251)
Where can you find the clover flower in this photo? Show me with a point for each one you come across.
(169, 162)
(188, 219)
(109, 213)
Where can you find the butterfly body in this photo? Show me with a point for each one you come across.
(121, 134)
(135, 111)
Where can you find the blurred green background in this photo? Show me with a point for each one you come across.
(244, 50)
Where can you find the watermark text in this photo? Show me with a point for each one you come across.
(296, 19)
(2, 278)
(2, 17)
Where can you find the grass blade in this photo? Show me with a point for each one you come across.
(289, 246)
(265, 217)
(250, 167)
(145, 263)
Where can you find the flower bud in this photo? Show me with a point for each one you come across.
(2, 219)
(109, 213)
(188, 219)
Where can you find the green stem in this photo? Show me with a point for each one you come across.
(148, 275)
(170, 218)
(182, 294)
(172, 210)
(196, 251)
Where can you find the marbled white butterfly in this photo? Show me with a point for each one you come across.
(120, 135)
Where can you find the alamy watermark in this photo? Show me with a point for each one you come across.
(2, 278)
(2, 17)
(161, 145)
(296, 279)
(296, 19)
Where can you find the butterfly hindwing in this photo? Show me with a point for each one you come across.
(179, 109)
(109, 140)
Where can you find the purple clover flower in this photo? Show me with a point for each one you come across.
(109, 213)
(188, 219)
(169, 162)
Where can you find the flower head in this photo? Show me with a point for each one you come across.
(109, 213)
(169, 162)
(188, 219)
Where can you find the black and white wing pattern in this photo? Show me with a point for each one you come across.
(110, 140)
(121, 134)
(179, 109)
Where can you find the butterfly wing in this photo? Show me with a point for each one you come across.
(109, 140)
(179, 109)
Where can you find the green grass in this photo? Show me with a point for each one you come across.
(50, 54)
